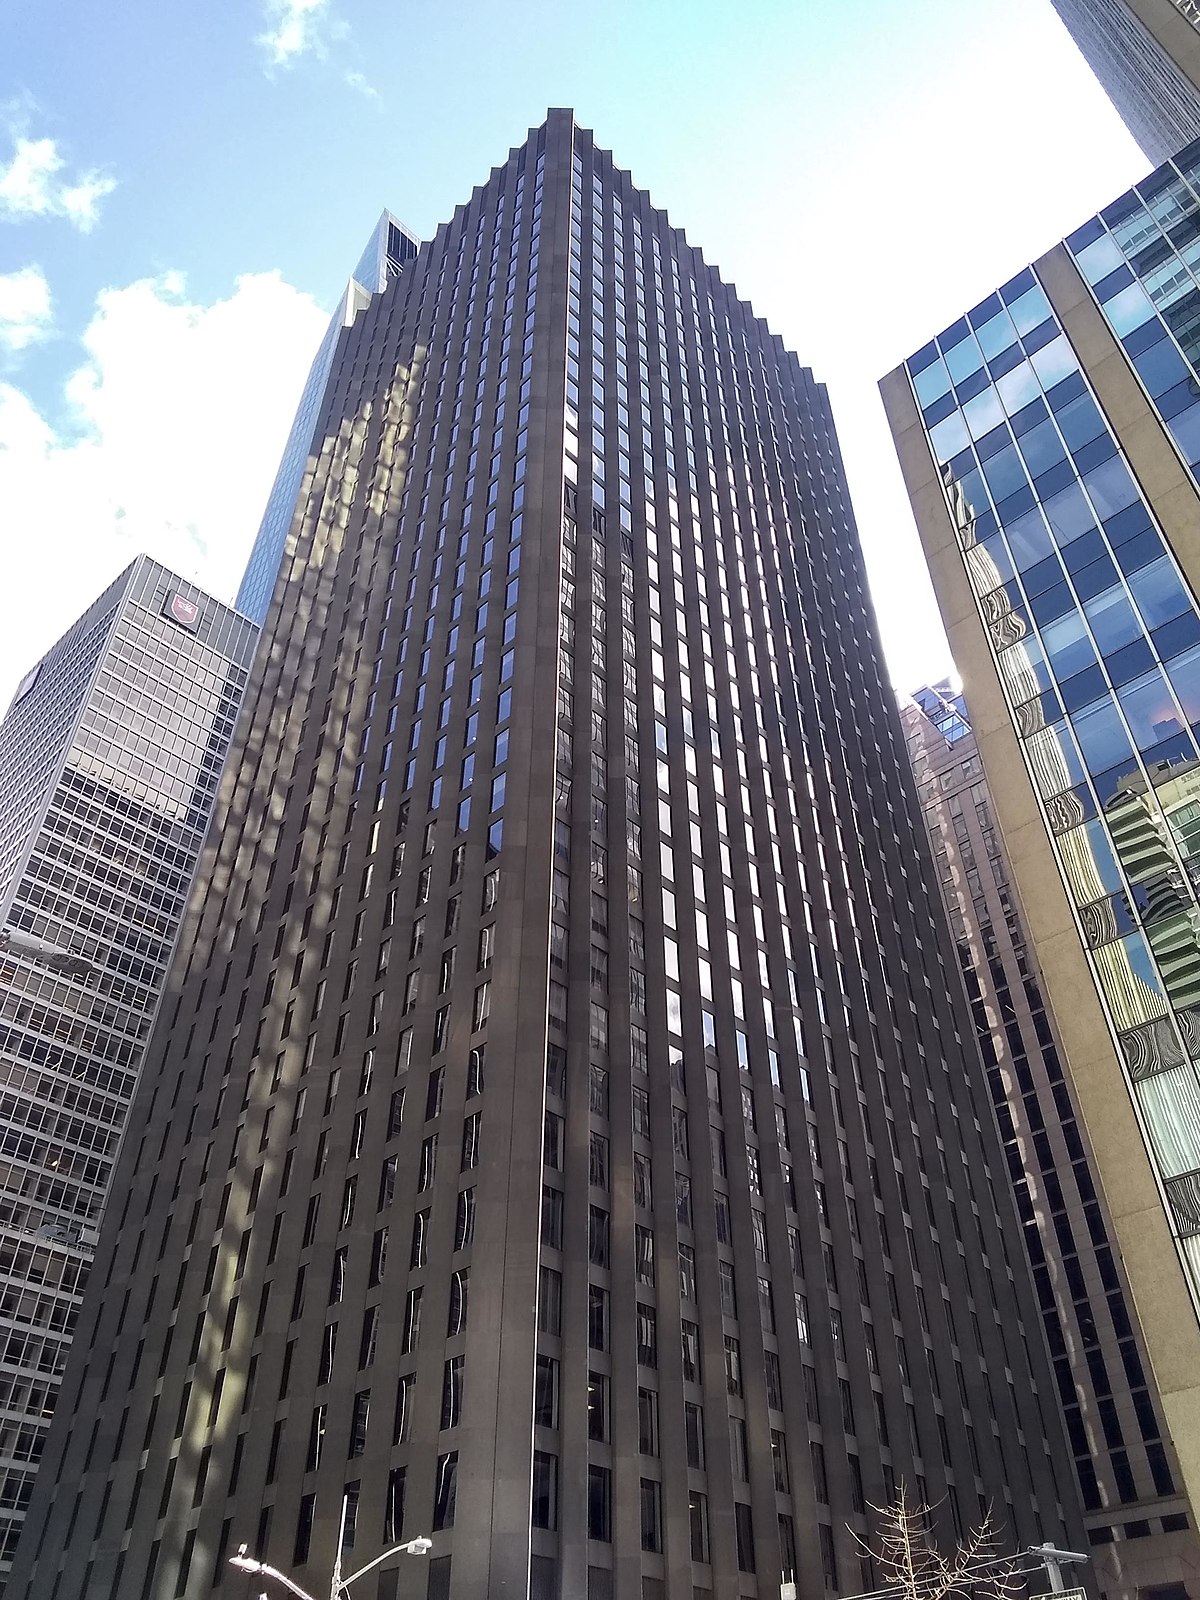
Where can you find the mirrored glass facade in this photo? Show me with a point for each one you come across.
(1097, 645)
(109, 760)
(389, 247)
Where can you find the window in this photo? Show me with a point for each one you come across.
(452, 1389)
(598, 1090)
(388, 1183)
(693, 1428)
(690, 1340)
(644, 1255)
(464, 1219)
(728, 1289)
(444, 1491)
(544, 1505)
(475, 1068)
(641, 1179)
(598, 1236)
(304, 1525)
(599, 1503)
(598, 1161)
(470, 1141)
(647, 1422)
(545, 1395)
(698, 1521)
(597, 1402)
(779, 1461)
(552, 1217)
(641, 1112)
(428, 1164)
(549, 1307)
(482, 1005)
(420, 1240)
(358, 1423)
(651, 1510)
(687, 1272)
(412, 1321)
(379, 1246)
(316, 1438)
(460, 1285)
(743, 1524)
(393, 1523)
(369, 1336)
(647, 1335)
(598, 1317)
(733, 1365)
(739, 1450)
(774, 1381)
(435, 1089)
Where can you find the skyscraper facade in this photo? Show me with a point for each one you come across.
(1050, 440)
(389, 247)
(109, 761)
(1146, 55)
(565, 1137)
(1136, 1514)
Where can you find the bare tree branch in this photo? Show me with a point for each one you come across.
(913, 1567)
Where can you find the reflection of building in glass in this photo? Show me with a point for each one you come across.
(1146, 54)
(591, 1165)
(1051, 443)
(109, 761)
(1122, 1453)
(389, 247)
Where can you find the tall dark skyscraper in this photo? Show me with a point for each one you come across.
(565, 1135)
(109, 761)
(1050, 440)
(1135, 1510)
(1146, 54)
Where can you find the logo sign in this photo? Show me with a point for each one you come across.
(182, 610)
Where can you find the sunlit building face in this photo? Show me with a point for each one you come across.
(1051, 442)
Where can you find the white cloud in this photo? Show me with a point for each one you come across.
(357, 82)
(296, 28)
(25, 310)
(167, 441)
(34, 184)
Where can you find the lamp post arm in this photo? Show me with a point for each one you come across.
(248, 1564)
(396, 1549)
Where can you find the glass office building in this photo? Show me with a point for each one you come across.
(109, 761)
(389, 247)
(1051, 440)
(1137, 1517)
(565, 1136)
(1146, 55)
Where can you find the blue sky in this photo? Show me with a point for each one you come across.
(183, 191)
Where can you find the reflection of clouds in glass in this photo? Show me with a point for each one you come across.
(1129, 981)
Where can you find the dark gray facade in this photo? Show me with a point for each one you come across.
(565, 1137)
(109, 760)
(1138, 1525)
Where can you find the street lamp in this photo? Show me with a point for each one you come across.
(338, 1585)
